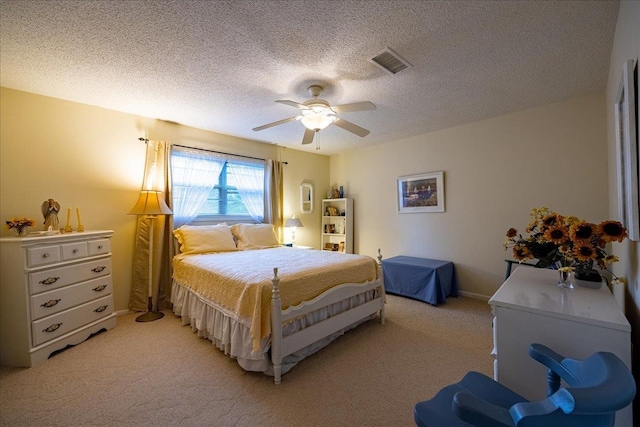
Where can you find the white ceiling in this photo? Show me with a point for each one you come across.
(220, 65)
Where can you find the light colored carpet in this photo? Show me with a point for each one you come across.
(161, 374)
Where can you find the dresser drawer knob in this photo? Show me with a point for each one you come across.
(99, 247)
(98, 269)
(49, 280)
(101, 308)
(75, 251)
(50, 303)
(99, 288)
(52, 328)
(45, 255)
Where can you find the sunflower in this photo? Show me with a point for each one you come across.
(521, 253)
(582, 230)
(612, 231)
(552, 220)
(584, 251)
(556, 234)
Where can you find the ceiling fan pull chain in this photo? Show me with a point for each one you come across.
(317, 143)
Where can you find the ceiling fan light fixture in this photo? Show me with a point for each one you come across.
(317, 119)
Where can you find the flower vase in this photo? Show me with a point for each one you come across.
(20, 231)
(566, 279)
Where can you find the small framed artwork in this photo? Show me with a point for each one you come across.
(626, 122)
(421, 193)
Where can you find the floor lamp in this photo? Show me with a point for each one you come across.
(149, 206)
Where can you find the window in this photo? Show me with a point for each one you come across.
(224, 199)
(213, 187)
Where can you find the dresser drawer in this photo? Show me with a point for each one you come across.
(43, 255)
(59, 324)
(99, 247)
(52, 302)
(74, 250)
(43, 281)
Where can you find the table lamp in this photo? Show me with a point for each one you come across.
(293, 223)
(149, 205)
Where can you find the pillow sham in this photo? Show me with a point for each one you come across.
(205, 238)
(255, 236)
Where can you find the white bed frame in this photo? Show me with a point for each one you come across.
(282, 346)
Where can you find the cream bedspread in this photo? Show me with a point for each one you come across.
(241, 281)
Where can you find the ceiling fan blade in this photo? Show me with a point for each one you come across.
(357, 106)
(308, 136)
(341, 123)
(292, 104)
(279, 122)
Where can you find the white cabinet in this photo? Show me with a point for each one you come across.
(530, 308)
(337, 225)
(55, 291)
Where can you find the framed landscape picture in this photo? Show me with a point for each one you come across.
(626, 121)
(421, 193)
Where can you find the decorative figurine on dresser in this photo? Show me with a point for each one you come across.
(55, 291)
(50, 209)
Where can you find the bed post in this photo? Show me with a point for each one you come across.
(276, 328)
(382, 292)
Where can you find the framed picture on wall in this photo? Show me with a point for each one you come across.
(421, 193)
(626, 121)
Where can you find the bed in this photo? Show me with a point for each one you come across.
(265, 305)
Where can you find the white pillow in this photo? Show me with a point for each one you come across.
(255, 236)
(205, 238)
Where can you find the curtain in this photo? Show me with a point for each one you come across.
(273, 202)
(157, 176)
(195, 173)
(250, 182)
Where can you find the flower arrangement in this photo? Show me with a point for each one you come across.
(19, 224)
(567, 243)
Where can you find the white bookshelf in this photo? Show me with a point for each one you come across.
(337, 225)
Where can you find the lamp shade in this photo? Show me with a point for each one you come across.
(293, 222)
(150, 203)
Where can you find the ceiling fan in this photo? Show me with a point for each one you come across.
(317, 114)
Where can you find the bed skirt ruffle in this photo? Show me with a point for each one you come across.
(227, 332)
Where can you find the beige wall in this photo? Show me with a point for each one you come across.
(626, 46)
(299, 169)
(89, 157)
(495, 172)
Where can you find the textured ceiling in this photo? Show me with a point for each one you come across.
(220, 65)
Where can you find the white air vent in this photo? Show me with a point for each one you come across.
(390, 61)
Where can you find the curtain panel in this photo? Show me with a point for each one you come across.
(196, 173)
(274, 189)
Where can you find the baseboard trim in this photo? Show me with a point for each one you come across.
(473, 295)
(123, 312)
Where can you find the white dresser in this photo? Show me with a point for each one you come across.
(530, 308)
(55, 291)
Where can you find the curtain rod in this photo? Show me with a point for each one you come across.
(211, 151)
(218, 152)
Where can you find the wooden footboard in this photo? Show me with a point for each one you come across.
(283, 346)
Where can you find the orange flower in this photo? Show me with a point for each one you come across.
(556, 234)
(521, 253)
(612, 231)
(552, 220)
(582, 231)
(583, 251)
